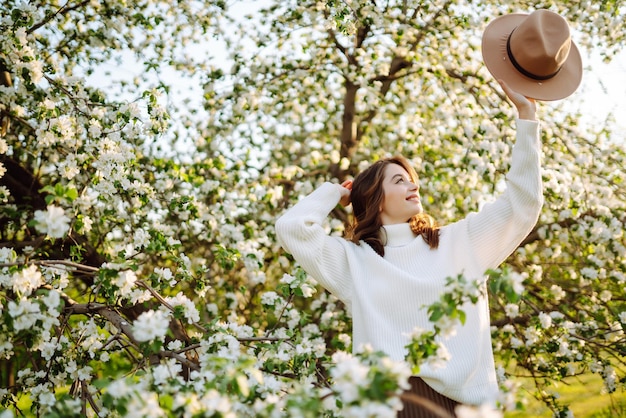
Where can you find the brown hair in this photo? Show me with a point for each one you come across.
(367, 196)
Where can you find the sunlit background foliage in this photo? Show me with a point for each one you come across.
(139, 271)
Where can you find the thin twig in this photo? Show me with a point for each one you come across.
(183, 360)
(61, 11)
(57, 263)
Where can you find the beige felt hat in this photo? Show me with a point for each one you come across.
(534, 54)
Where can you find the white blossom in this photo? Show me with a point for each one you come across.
(52, 222)
(27, 280)
(589, 272)
(606, 295)
(125, 281)
(269, 298)
(610, 378)
(441, 357)
(448, 326)
(69, 167)
(25, 313)
(516, 342)
(7, 255)
(511, 310)
(545, 320)
(118, 388)
(166, 274)
(151, 325)
(348, 374)
(532, 336)
(517, 281)
(190, 312)
(168, 370)
(557, 292)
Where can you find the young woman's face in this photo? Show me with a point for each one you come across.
(401, 196)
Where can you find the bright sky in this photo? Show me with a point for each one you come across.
(603, 91)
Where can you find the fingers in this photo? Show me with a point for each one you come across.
(345, 190)
(514, 95)
(526, 106)
(507, 90)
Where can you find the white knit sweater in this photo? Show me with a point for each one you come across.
(387, 295)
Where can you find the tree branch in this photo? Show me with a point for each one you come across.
(64, 9)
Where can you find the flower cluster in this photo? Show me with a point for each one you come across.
(139, 269)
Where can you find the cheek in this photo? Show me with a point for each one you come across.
(392, 199)
(385, 202)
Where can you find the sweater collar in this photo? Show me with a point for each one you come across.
(397, 235)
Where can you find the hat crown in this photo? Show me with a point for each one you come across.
(540, 44)
(534, 54)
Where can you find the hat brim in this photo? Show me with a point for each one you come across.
(499, 65)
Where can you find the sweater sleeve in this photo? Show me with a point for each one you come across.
(300, 232)
(500, 226)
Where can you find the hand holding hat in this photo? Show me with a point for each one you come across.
(534, 54)
(526, 106)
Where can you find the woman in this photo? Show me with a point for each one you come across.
(397, 261)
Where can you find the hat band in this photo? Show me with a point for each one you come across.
(521, 69)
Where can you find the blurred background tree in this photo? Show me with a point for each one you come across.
(170, 182)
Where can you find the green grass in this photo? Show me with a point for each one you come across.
(585, 397)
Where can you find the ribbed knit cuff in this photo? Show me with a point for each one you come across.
(526, 128)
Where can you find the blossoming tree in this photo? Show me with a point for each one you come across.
(139, 272)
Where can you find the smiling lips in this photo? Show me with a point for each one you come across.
(413, 197)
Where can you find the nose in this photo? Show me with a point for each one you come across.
(414, 186)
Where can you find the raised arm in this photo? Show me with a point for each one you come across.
(497, 230)
(301, 233)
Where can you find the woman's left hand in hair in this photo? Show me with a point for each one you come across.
(526, 107)
(345, 190)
